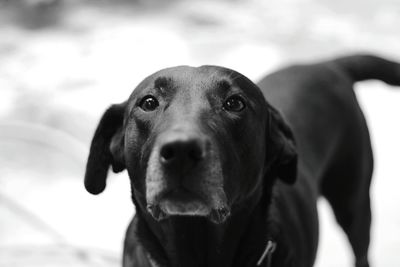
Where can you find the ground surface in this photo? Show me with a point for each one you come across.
(61, 67)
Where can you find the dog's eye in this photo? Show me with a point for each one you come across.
(234, 103)
(149, 103)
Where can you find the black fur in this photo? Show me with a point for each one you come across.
(302, 135)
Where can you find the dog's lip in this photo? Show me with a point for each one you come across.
(184, 203)
(179, 201)
(192, 208)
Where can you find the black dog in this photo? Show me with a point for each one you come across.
(216, 176)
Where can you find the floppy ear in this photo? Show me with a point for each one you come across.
(281, 149)
(107, 148)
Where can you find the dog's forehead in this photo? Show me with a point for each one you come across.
(203, 78)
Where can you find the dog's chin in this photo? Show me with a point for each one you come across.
(180, 208)
(181, 204)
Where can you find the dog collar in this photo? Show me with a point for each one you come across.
(267, 254)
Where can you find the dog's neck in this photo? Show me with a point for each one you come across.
(195, 241)
(192, 241)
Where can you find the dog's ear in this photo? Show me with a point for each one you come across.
(107, 148)
(281, 148)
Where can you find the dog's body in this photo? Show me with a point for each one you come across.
(211, 133)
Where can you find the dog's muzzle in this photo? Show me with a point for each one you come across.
(184, 178)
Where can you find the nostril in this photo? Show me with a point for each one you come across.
(195, 153)
(167, 153)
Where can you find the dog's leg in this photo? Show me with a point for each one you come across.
(345, 185)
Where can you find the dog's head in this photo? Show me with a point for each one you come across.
(195, 142)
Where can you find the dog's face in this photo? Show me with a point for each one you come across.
(195, 142)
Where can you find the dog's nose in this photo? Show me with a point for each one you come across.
(183, 152)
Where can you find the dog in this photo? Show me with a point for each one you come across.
(225, 172)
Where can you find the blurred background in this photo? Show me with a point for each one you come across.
(63, 62)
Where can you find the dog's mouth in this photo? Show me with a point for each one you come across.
(181, 202)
